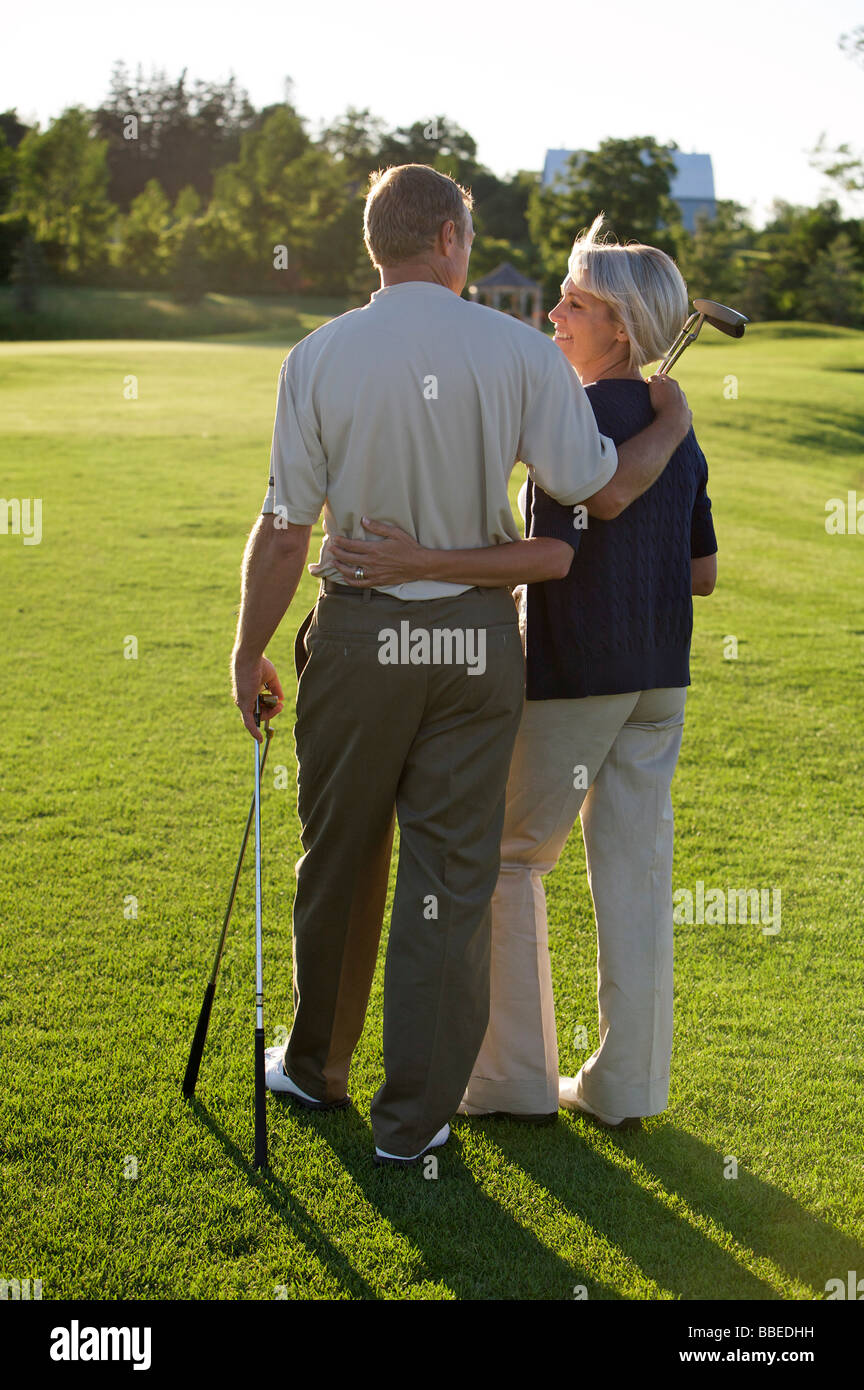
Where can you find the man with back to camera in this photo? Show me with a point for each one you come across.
(414, 409)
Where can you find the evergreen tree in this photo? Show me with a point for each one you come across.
(166, 129)
(833, 291)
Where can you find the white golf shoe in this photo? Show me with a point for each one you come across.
(381, 1156)
(276, 1079)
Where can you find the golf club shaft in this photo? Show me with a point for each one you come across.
(220, 947)
(260, 1160)
(688, 335)
(200, 1037)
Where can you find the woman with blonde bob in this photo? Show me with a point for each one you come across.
(607, 617)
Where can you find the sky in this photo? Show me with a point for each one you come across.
(753, 83)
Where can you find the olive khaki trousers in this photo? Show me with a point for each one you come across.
(382, 723)
(609, 759)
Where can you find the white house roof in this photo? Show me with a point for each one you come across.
(554, 164)
(694, 179)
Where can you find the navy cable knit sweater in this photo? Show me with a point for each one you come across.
(621, 620)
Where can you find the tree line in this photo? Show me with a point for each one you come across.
(187, 186)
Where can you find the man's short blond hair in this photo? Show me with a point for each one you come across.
(405, 208)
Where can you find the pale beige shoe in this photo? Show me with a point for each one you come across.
(568, 1101)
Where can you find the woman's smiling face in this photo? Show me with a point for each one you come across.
(586, 331)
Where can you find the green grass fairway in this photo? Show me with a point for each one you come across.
(127, 782)
(70, 312)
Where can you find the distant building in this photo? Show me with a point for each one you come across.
(508, 289)
(692, 186)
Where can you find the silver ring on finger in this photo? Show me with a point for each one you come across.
(359, 572)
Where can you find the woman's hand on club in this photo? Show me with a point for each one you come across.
(394, 559)
(669, 402)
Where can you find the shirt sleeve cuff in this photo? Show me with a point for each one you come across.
(607, 470)
(294, 516)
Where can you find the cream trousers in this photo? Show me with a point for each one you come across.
(609, 759)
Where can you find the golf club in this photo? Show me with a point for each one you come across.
(200, 1037)
(260, 1160)
(720, 316)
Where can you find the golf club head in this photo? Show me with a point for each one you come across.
(722, 317)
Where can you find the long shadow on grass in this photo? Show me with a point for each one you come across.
(760, 1216)
(572, 1164)
(467, 1240)
(278, 1195)
(667, 1248)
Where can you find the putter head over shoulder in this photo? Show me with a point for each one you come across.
(720, 316)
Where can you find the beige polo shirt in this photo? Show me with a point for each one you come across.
(414, 410)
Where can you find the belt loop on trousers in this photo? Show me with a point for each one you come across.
(332, 586)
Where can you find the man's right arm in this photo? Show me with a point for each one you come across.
(276, 551)
(272, 567)
(642, 459)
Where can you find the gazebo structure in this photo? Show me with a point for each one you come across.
(507, 289)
